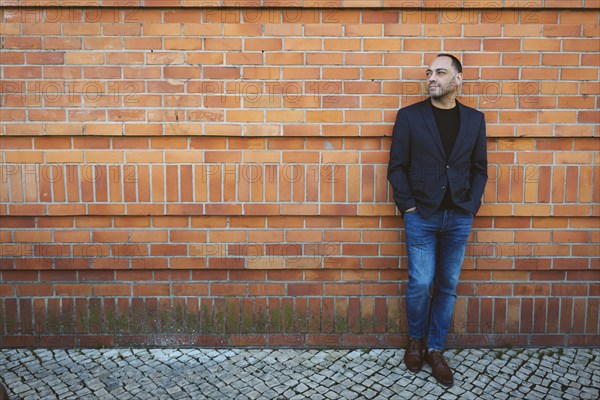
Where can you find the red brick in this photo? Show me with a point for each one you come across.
(189, 289)
(79, 290)
(305, 289)
(111, 290)
(153, 289)
(222, 289)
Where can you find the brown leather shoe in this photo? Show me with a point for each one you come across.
(3, 393)
(439, 369)
(413, 355)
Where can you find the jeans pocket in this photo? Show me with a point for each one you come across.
(466, 213)
(409, 215)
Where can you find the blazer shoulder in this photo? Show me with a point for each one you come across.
(414, 107)
(472, 110)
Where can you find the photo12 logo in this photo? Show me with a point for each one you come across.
(18, 173)
(291, 11)
(68, 11)
(251, 94)
(69, 93)
(271, 173)
(454, 12)
(40, 254)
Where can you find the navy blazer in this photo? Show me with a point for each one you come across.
(418, 170)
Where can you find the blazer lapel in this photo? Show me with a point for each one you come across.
(462, 130)
(433, 130)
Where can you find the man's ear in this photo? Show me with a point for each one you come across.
(458, 78)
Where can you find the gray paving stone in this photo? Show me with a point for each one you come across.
(493, 374)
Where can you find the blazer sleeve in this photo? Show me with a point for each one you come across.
(479, 166)
(399, 164)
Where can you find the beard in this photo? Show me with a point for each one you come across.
(439, 91)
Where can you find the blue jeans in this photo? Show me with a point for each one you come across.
(436, 249)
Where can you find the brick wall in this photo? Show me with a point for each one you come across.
(175, 173)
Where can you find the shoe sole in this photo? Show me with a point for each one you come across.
(448, 385)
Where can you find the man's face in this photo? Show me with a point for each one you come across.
(441, 78)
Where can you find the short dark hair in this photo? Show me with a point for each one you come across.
(455, 62)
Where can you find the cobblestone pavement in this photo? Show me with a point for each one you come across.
(549, 373)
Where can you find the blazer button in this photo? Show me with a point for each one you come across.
(447, 167)
(443, 187)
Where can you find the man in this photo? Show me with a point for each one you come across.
(438, 170)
